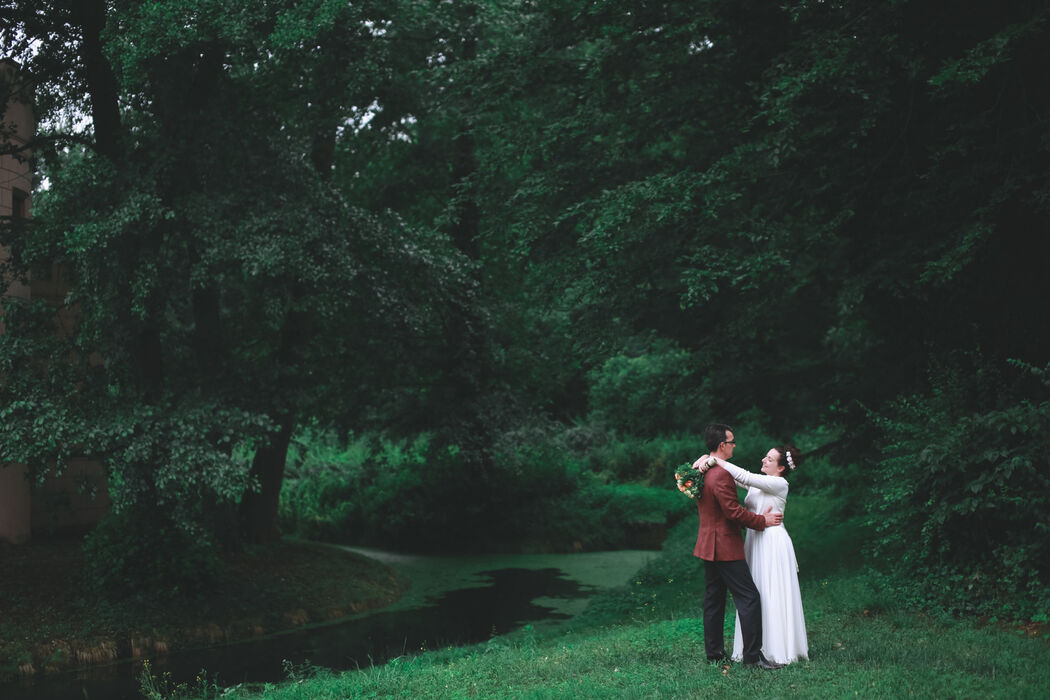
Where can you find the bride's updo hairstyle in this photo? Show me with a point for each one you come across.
(789, 459)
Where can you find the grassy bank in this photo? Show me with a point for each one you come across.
(645, 641)
(52, 619)
(852, 655)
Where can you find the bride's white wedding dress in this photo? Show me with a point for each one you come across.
(771, 557)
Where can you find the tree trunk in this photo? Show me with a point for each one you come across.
(468, 368)
(90, 15)
(259, 508)
(466, 220)
(208, 346)
(322, 151)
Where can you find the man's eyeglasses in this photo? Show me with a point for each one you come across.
(729, 442)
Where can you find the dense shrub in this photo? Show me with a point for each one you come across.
(372, 490)
(540, 496)
(963, 490)
(139, 551)
(649, 460)
(174, 474)
(551, 488)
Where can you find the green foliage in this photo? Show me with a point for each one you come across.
(578, 488)
(841, 176)
(985, 55)
(413, 494)
(162, 687)
(555, 496)
(464, 219)
(205, 306)
(149, 553)
(175, 456)
(654, 393)
(960, 494)
(373, 490)
(650, 460)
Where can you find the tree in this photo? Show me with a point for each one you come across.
(229, 290)
(802, 196)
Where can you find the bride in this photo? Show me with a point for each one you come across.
(771, 558)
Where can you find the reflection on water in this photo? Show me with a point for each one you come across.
(488, 602)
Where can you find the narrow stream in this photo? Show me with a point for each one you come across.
(452, 601)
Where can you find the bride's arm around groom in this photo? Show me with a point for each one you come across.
(773, 485)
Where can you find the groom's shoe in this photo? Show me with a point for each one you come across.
(764, 664)
(774, 664)
(722, 658)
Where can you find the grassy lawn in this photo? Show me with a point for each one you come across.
(854, 652)
(851, 656)
(645, 641)
(642, 640)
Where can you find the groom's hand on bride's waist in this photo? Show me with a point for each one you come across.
(772, 518)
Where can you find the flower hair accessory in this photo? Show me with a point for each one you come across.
(787, 456)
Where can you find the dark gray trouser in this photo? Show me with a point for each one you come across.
(735, 576)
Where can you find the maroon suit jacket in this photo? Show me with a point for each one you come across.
(721, 517)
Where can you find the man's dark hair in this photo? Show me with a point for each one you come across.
(715, 435)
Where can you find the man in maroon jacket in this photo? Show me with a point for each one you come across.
(721, 547)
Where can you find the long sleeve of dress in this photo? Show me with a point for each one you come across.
(773, 485)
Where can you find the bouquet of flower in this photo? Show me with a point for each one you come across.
(690, 480)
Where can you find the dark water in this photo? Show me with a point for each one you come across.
(497, 601)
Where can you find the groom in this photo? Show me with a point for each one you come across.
(721, 547)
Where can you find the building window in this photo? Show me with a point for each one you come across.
(19, 204)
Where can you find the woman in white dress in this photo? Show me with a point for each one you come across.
(771, 557)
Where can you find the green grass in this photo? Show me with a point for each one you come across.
(851, 655)
(645, 640)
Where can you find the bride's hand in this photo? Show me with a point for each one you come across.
(703, 464)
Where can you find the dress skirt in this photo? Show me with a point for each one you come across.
(771, 557)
